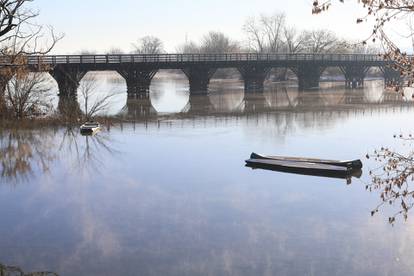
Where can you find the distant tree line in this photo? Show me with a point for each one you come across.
(262, 34)
(272, 34)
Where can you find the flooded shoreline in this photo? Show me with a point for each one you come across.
(169, 193)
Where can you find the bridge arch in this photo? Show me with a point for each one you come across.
(169, 91)
(226, 89)
(96, 85)
(138, 70)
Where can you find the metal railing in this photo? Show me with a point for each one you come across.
(187, 58)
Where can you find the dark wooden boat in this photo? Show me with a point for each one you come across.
(353, 164)
(304, 168)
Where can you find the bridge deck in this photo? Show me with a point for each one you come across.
(200, 58)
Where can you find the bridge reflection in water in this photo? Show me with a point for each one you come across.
(282, 109)
(278, 98)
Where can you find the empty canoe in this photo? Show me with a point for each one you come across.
(354, 164)
(301, 168)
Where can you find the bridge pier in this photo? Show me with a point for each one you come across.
(254, 77)
(138, 80)
(308, 75)
(199, 78)
(391, 76)
(68, 79)
(354, 75)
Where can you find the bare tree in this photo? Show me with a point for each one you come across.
(148, 45)
(255, 37)
(115, 51)
(28, 94)
(217, 42)
(273, 27)
(393, 179)
(189, 47)
(320, 41)
(294, 40)
(266, 33)
(93, 104)
(20, 37)
(211, 43)
(87, 52)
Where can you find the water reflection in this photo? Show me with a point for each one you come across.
(277, 98)
(224, 98)
(170, 195)
(254, 102)
(199, 105)
(26, 154)
(86, 152)
(140, 107)
(283, 109)
(348, 177)
(169, 91)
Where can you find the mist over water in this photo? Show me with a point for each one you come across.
(167, 193)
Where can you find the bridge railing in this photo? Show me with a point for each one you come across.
(188, 58)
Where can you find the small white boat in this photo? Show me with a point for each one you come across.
(90, 128)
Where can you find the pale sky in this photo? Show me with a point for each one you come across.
(101, 24)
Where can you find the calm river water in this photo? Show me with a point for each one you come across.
(167, 192)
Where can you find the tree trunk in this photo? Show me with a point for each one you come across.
(4, 79)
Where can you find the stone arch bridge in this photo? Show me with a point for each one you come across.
(138, 70)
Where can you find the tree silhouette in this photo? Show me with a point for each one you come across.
(20, 37)
(148, 45)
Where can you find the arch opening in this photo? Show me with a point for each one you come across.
(169, 91)
(104, 88)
